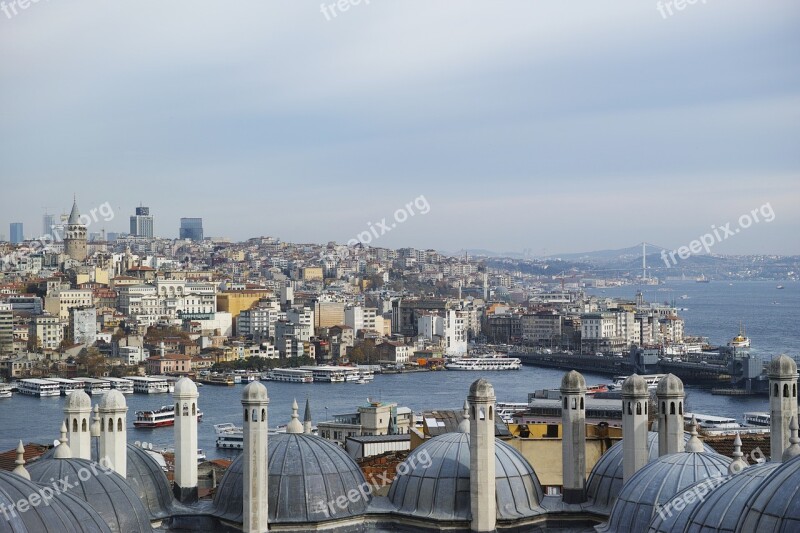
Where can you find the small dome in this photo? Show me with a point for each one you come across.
(573, 381)
(605, 481)
(782, 366)
(185, 387)
(635, 385)
(104, 490)
(437, 485)
(481, 388)
(775, 504)
(79, 400)
(113, 399)
(306, 476)
(255, 392)
(656, 484)
(63, 512)
(670, 385)
(149, 481)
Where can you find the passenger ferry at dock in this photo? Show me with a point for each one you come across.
(149, 385)
(291, 375)
(93, 386)
(125, 386)
(651, 380)
(327, 374)
(38, 387)
(219, 379)
(67, 386)
(5, 391)
(757, 418)
(164, 416)
(484, 362)
(229, 436)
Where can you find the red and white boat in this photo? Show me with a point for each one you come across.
(164, 416)
(594, 389)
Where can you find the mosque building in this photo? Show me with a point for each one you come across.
(664, 481)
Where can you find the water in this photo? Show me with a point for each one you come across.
(714, 310)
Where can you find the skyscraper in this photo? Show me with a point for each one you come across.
(191, 228)
(142, 223)
(16, 233)
(48, 221)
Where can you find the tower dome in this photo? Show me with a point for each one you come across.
(573, 381)
(775, 505)
(307, 474)
(782, 366)
(669, 385)
(481, 388)
(113, 399)
(657, 483)
(635, 385)
(605, 480)
(79, 400)
(437, 483)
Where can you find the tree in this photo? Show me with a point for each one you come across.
(91, 361)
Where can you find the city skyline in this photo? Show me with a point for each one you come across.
(572, 130)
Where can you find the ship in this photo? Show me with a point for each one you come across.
(741, 340)
(484, 362)
(651, 380)
(161, 417)
(703, 279)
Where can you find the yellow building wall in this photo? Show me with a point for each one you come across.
(238, 301)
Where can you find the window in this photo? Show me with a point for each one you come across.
(111, 424)
(785, 390)
(245, 415)
(672, 408)
(74, 425)
(119, 424)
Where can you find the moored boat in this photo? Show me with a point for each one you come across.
(164, 416)
(484, 362)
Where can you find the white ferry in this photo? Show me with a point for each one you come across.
(149, 385)
(292, 375)
(38, 387)
(651, 380)
(352, 375)
(326, 374)
(741, 340)
(229, 436)
(757, 418)
(506, 410)
(164, 416)
(94, 386)
(125, 386)
(5, 391)
(711, 422)
(484, 362)
(366, 374)
(67, 386)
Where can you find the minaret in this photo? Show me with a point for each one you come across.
(669, 396)
(62, 451)
(463, 426)
(782, 374)
(794, 447)
(113, 432)
(573, 437)
(307, 419)
(185, 397)
(255, 473)
(635, 399)
(76, 412)
(738, 464)
(75, 235)
(20, 462)
(694, 444)
(482, 491)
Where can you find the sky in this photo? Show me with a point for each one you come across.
(543, 126)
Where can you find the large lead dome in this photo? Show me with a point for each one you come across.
(436, 486)
(775, 506)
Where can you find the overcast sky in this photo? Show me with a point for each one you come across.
(548, 126)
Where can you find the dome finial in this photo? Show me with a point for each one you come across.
(20, 462)
(794, 448)
(294, 426)
(463, 426)
(62, 450)
(95, 428)
(694, 444)
(307, 429)
(738, 463)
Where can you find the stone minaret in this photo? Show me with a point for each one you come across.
(255, 471)
(794, 448)
(75, 235)
(782, 374)
(635, 399)
(573, 437)
(113, 432)
(185, 396)
(482, 491)
(307, 419)
(669, 396)
(76, 413)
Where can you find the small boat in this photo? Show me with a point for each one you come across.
(594, 389)
(164, 416)
(779, 287)
(361, 381)
(703, 279)
(5, 391)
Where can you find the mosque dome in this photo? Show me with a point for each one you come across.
(306, 476)
(669, 385)
(573, 381)
(782, 366)
(255, 392)
(437, 484)
(185, 387)
(635, 385)
(79, 400)
(104, 490)
(481, 388)
(113, 399)
(775, 505)
(605, 481)
(63, 512)
(657, 483)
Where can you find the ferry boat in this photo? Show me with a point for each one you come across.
(164, 416)
(149, 385)
(229, 436)
(125, 386)
(703, 279)
(219, 379)
(755, 418)
(651, 380)
(5, 391)
(741, 340)
(366, 374)
(506, 410)
(67, 386)
(484, 362)
(594, 389)
(38, 387)
(711, 422)
(94, 386)
(291, 375)
(326, 374)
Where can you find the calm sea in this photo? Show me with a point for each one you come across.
(715, 310)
